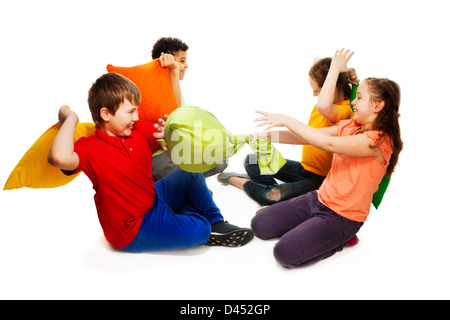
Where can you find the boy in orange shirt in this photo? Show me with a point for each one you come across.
(316, 225)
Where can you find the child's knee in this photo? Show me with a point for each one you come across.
(199, 234)
(284, 255)
(190, 177)
(204, 233)
(187, 174)
(261, 229)
(273, 195)
(250, 160)
(197, 176)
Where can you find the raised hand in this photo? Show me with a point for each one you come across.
(169, 62)
(340, 60)
(64, 113)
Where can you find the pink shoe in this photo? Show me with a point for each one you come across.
(353, 241)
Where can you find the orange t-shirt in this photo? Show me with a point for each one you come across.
(349, 187)
(316, 160)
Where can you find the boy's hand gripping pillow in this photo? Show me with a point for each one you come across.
(157, 99)
(153, 81)
(34, 171)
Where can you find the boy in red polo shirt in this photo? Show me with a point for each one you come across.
(136, 213)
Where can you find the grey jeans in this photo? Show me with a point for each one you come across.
(297, 181)
(162, 166)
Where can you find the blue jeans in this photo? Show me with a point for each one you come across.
(309, 231)
(181, 215)
(297, 180)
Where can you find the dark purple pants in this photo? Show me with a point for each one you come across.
(309, 230)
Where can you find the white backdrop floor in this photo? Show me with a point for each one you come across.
(243, 56)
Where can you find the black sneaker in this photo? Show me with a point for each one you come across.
(224, 234)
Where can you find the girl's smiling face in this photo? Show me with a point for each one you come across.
(365, 111)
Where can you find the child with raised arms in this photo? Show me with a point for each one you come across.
(135, 213)
(314, 226)
(299, 177)
(173, 54)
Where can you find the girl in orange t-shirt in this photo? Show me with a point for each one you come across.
(316, 225)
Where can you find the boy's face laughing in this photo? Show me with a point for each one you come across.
(181, 58)
(121, 124)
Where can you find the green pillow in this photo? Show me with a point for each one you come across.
(198, 142)
(378, 195)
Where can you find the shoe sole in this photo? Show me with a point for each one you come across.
(236, 238)
(225, 176)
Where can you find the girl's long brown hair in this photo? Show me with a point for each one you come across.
(383, 89)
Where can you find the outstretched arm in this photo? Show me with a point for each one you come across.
(281, 136)
(326, 98)
(325, 138)
(61, 154)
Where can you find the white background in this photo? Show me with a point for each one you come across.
(243, 56)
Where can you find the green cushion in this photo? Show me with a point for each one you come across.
(198, 142)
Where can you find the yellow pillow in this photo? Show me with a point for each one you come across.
(157, 99)
(34, 171)
(153, 81)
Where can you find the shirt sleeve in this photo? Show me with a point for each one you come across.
(384, 143)
(345, 111)
(78, 149)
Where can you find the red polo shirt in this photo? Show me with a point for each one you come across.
(120, 169)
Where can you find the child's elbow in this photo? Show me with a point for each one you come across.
(56, 160)
(324, 109)
(52, 159)
(328, 111)
(329, 144)
(63, 161)
(321, 106)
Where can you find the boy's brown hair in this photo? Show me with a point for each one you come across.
(110, 91)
